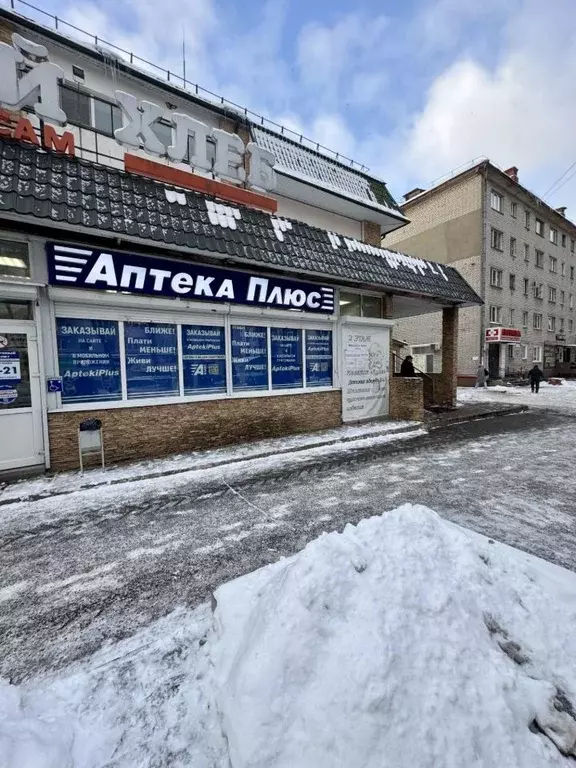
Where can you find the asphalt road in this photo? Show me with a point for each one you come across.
(95, 566)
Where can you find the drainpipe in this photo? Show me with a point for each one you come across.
(484, 182)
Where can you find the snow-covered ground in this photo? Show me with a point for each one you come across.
(403, 641)
(556, 397)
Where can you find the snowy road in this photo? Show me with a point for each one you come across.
(98, 565)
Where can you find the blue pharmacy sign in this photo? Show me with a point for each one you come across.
(204, 359)
(151, 351)
(103, 270)
(89, 360)
(319, 358)
(286, 358)
(249, 357)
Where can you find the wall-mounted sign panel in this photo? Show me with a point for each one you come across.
(204, 359)
(366, 365)
(151, 360)
(249, 357)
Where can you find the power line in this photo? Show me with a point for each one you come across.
(549, 191)
(566, 180)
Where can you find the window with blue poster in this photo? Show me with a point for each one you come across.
(286, 358)
(151, 351)
(89, 360)
(249, 357)
(319, 362)
(204, 359)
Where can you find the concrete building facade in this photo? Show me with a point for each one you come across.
(517, 253)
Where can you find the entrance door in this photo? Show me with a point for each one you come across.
(494, 360)
(21, 438)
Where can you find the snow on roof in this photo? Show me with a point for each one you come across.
(280, 226)
(393, 258)
(222, 215)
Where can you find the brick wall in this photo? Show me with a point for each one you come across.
(131, 434)
(371, 233)
(6, 30)
(406, 398)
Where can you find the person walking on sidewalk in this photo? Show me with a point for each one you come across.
(407, 367)
(535, 376)
(481, 377)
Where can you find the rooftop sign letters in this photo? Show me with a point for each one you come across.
(100, 270)
(29, 79)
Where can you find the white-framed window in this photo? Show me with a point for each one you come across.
(540, 259)
(539, 227)
(495, 314)
(526, 252)
(510, 351)
(513, 247)
(511, 318)
(537, 355)
(512, 282)
(526, 286)
(192, 357)
(553, 235)
(570, 324)
(563, 240)
(563, 269)
(14, 259)
(537, 321)
(527, 219)
(571, 301)
(551, 323)
(561, 325)
(497, 239)
(496, 201)
(524, 319)
(538, 290)
(553, 264)
(551, 294)
(360, 305)
(495, 277)
(524, 351)
(514, 209)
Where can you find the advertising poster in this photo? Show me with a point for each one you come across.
(286, 358)
(151, 359)
(89, 360)
(319, 358)
(204, 359)
(249, 357)
(366, 365)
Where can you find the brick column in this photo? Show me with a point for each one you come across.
(447, 381)
(371, 233)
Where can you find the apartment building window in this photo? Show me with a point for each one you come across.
(571, 301)
(524, 319)
(537, 358)
(572, 244)
(76, 104)
(510, 351)
(495, 277)
(563, 269)
(537, 321)
(561, 327)
(495, 314)
(540, 259)
(511, 318)
(551, 324)
(562, 297)
(553, 264)
(512, 282)
(551, 294)
(527, 219)
(513, 247)
(107, 117)
(571, 273)
(563, 240)
(526, 286)
(553, 235)
(526, 252)
(496, 201)
(539, 227)
(570, 325)
(514, 210)
(497, 239)
(538, 290)
(524, 351)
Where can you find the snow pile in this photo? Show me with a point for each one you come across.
(558, 398)
(403, 641)
(394, 644)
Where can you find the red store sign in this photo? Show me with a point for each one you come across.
(505, 335)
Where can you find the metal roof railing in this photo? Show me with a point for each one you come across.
(106, 48)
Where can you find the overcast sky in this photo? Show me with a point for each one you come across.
(411, 88)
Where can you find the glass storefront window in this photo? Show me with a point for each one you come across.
(204, 359)
(319, 358)
(14, 372)
(14, 259)
(249, 357)
(350, 304)
(286, 358)
(371, 306)
(151, 360)
(89, 360)
(16, 310)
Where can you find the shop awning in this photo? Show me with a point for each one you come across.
(84, 198)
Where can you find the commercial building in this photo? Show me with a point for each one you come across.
(517, 253)
(183, 271)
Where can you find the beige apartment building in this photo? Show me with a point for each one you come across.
(516, 251)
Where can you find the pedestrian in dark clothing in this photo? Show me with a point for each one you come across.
(407, 367)
(535, 376)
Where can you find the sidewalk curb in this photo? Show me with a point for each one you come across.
(504, 410)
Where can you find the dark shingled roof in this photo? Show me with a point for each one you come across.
(54, 188)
